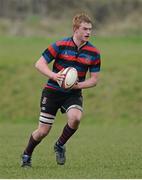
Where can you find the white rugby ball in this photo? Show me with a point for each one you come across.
(70, 79)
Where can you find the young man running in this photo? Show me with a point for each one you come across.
(77, 52)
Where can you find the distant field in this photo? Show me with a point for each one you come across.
(108, 144)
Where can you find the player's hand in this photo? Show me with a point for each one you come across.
(58, 76)
(76, 85)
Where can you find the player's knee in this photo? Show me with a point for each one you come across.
(74, 114)
(76, 117)
(74, 120)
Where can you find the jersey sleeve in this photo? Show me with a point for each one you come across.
(51, 52)
(96, 63)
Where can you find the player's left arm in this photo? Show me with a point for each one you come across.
(90, 82)
(94, 70)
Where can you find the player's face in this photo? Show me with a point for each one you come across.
(84, 31)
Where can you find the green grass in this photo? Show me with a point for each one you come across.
(96, 151)
(108, 143)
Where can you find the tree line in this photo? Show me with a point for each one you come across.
(101, 10)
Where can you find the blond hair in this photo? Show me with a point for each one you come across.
(79, 18)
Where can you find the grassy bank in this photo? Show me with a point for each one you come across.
(116, 98)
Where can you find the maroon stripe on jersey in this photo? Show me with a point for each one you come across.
(65, 43)
(47, 86)
(83, 61)
(90, 48)
(97, 61)
(52, 51)
(58, 66)
(81, 74)
(78, 59)
(88, 61)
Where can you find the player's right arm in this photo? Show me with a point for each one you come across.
(42, 66)
(47, 56)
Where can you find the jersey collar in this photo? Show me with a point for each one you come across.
(84, 44)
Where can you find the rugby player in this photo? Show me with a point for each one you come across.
(77, 52)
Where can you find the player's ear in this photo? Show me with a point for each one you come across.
(74, 29)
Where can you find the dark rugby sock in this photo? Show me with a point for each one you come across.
(31, 145)
(66, 134)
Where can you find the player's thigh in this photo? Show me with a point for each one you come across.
(74, 101)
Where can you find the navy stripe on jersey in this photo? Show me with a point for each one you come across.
(65, 53)
(48, 56)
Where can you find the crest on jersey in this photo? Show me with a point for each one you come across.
(44, 100)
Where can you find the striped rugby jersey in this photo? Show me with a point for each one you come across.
(65, 53)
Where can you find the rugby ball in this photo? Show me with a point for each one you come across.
(70, 79)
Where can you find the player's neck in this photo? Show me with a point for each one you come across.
(78, 43)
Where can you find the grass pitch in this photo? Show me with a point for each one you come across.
(95, 151)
